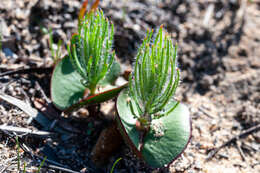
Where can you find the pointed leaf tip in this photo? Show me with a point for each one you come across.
(94, 6)
(82, 11)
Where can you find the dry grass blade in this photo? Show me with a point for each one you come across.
(21, 130)
(20, 104)
(33, 113)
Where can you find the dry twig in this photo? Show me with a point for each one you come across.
(27, 71)
(238, 145)
(38, 86)
(232, 140)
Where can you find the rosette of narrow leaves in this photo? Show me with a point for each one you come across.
(155, 77)
(156, 126)
(89, 65)
(91, 50)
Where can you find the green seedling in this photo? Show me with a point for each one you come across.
(156, 126)
(90, 65)
(24, 167)
(41, 164)
(114, 165)
(19, 158)
(91, 50)
(18, 153)
(55, 53)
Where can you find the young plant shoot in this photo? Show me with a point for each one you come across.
(155, 79)
(89, 65)
(155, 125)
(91, 50)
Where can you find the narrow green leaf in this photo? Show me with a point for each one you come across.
(82, 12)
(114, 165)
(42, 163)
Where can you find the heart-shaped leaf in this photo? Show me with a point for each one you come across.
(67, 88)
(158, 150)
